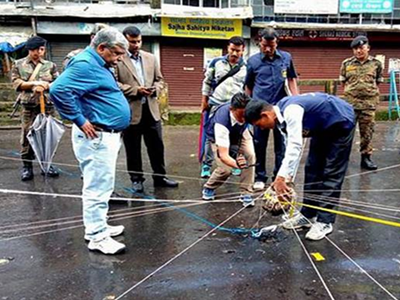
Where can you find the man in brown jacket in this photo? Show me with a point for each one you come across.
(140, 79)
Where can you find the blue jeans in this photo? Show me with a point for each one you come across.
(97, 161)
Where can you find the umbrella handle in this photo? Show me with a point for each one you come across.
(42, 105)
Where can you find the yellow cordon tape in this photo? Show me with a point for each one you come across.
(318, 256)
(353, 215)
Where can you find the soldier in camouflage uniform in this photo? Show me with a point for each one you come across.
(30, 89)
(361, 75)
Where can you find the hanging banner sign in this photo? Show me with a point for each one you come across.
(201, 28)
(316, 7)
(318, 35)
(366, 6)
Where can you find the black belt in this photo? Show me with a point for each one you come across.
(103, 128)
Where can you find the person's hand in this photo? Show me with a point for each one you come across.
(241, 161)
(204, 105)
(282, 190)
(41, 86)
(38, 89)
(89, 130)
(144, 91)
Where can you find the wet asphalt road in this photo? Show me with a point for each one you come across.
(43, 254)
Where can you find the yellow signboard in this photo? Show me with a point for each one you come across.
(201, 28)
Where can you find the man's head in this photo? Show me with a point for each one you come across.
(134, 37)
(235, 49)
(261, 114)
(360, 46)
(238, 105)
(268, 41)
(96, 28)
(110, 44)
(36, 47)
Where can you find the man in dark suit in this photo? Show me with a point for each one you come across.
(140, 79)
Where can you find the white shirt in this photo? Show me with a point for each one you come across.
(222, 133)
(293, 117)
(137, 63)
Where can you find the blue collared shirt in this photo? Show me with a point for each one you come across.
(87, 90)
(266, 77)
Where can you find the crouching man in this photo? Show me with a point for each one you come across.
(233, 147)
(329, 121)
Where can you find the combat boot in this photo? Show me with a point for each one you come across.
(27, 172)
(367, 163)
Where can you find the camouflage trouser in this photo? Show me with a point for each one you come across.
(28, 115)
(366, 124)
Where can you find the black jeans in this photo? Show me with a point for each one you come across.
(260, 145)
(152, 133)
(325, 170)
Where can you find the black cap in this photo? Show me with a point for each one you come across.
(35, 43)
(269, 34)
(359, 41)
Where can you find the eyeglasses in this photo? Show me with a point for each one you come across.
(115, 52)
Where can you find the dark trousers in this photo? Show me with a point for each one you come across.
(325, 170)
(261, 144)
(152, 133)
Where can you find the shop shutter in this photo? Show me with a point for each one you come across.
(58, 50)
(323, 61)
(182, 67)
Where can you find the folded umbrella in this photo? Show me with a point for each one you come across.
(44, 136)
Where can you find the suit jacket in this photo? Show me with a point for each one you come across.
(129, 82)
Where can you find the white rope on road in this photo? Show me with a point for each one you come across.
(178, 255)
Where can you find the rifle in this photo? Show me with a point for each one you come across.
(16, 106)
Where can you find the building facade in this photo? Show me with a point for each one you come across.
(186, 34)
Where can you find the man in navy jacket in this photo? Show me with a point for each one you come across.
(329, 121)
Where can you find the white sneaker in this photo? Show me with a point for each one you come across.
(107, 246)
(259, 185)
(286, 216)
(318, 231)
(111, 231)
(297, 221)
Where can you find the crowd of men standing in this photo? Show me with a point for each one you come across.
(111, 88)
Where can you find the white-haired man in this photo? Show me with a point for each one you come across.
(88, 95)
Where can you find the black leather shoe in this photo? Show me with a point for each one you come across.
(165, 182)
(26, 173)
(367, 163)
(51, 173)
(137, 187)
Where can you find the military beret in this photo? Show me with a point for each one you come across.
(359, 41)
(35, 43)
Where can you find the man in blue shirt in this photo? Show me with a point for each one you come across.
(270, 77)
(330, 123)
(88, 95)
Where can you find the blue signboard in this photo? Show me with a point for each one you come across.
(366, 6)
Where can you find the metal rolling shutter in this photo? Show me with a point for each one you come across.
(316, 61)
(182, 67)
(58, 51)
